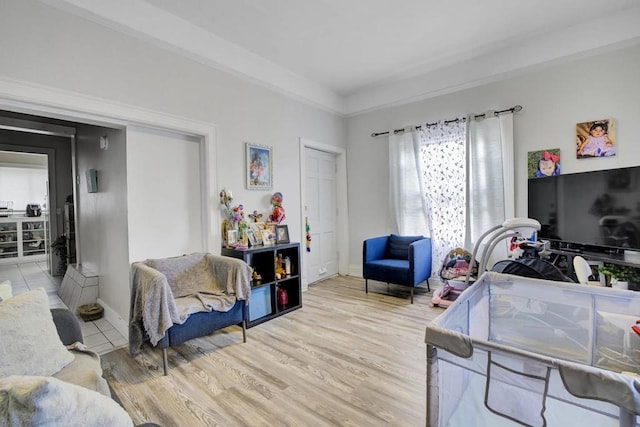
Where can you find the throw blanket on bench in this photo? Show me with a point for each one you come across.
(190, 284)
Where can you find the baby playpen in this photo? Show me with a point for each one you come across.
(515, 350)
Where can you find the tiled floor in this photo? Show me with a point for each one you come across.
(99, 335)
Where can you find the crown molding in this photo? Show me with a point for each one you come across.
(145, 21)
(611, 32)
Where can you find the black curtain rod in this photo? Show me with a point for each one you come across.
(514, 109)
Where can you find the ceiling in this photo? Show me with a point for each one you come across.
(358, 55)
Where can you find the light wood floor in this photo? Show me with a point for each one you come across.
(345, 359)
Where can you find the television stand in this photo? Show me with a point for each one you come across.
(560, 256)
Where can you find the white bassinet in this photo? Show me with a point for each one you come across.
(518, 351)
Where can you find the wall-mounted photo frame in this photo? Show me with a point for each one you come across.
(253, 240)
(232, 237)
(596, 139)
(259, 167)
(266, 238)
(282, 234)
(543, 163)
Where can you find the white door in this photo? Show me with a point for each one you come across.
(321, 214)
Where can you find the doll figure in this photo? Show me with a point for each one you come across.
(277, 215)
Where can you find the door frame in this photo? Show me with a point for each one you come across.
(52, 226)
(342, 220)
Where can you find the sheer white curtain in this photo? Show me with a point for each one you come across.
(454, 179)
(491, 177)
(442, 163)
(405, 185)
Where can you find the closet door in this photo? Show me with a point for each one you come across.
(321, 212)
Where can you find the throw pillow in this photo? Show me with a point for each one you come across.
(398, 246)
(47, 401)
(186, 275)
(30, 341)
(5, 290)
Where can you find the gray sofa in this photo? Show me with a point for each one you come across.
(47, 375)
(85, 370)
(176, 299)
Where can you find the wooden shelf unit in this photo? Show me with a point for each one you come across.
(263, 303)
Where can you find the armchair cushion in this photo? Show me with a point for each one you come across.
(398, 246)
(186, 275)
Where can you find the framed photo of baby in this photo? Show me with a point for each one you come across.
(543, 163)
(596, 139)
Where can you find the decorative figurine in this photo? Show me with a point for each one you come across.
(277, 215)
(255, 216)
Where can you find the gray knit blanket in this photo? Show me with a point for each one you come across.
(167, 291)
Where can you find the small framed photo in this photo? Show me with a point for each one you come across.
(282, 234)
(257, 228)
(259, 165)
(232, 237)
(252, 237)
(272, 231)
(266, 238)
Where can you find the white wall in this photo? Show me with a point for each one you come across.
(554, 100)
(163, 192)
(101, 220)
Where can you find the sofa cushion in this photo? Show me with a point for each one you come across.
(186, 275)
(398, 246)
(5, 290)
(30, 342)
(47, 401)
(85, 370)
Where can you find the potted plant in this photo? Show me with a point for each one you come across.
(621, 276)
(59, 249)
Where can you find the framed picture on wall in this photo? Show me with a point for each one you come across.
(259, 167)
(596, 139)
(543, 163)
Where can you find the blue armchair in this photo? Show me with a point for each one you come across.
(401, 260)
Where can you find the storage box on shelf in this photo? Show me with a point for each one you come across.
(278, 291)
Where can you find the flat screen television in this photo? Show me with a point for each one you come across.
(597, 211)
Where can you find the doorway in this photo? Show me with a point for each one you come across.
(24, 192)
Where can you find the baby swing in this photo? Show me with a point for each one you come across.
(460, 268)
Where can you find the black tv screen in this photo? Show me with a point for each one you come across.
(598, 210)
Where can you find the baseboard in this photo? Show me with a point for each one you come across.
(355, 270)
(112, 317)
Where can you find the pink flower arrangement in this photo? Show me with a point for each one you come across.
(237, 213)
